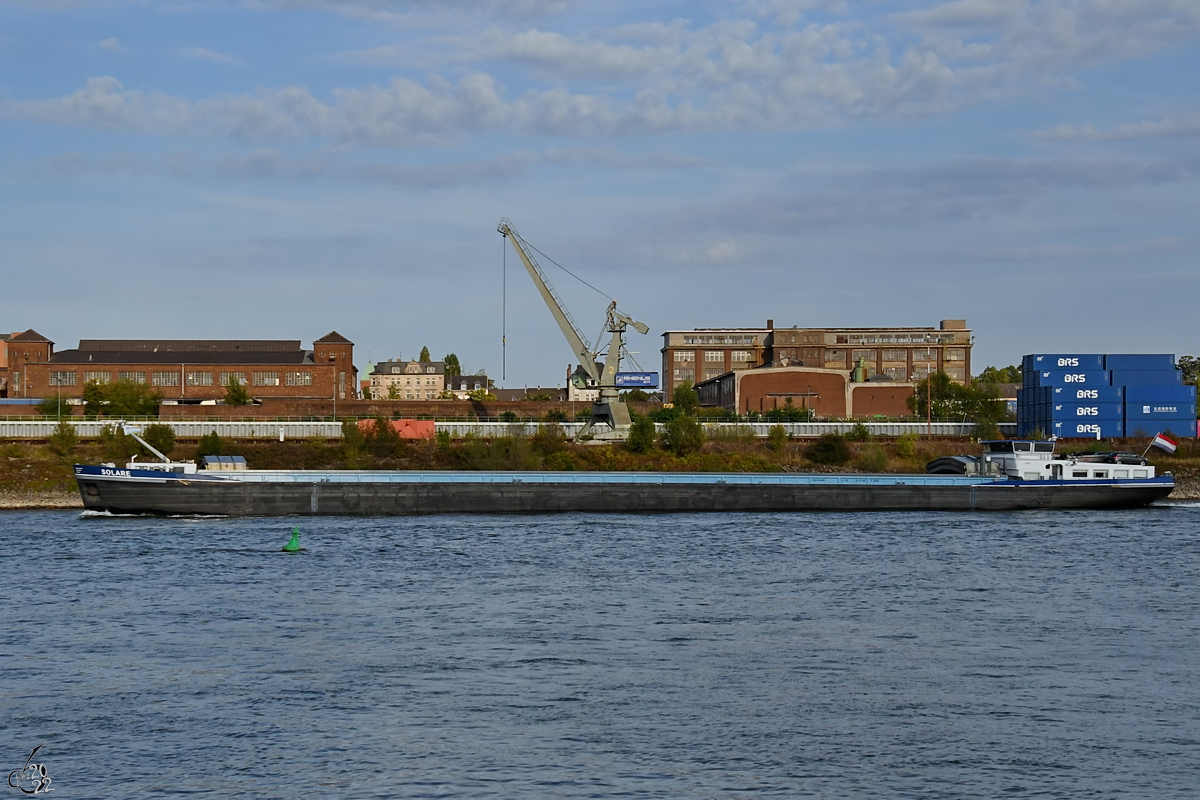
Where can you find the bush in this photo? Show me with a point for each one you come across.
(684, 398)
(160, 437)
(872, 459)
(210, 445)
(859, 433)
(684, 435)
(555, 415)
(777, 438)
(64, 439)
(382, 440)
(906, 445)
(548, 439)
(352, 436)
(829, 449)
(115, 445)
(443, 440)
(508, 416)
(987, 430)
(642, 435)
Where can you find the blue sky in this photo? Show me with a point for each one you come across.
(282, 168)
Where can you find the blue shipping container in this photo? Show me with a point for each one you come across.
(1177, 394)
(1147, 377)
(1148, 427)
(1068, 361)
(1087, 378)
(1107, 428)
(1086, 394)
(1139, 361)
(1160, 410)
(1066, 412)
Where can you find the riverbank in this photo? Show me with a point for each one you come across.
(35, 476)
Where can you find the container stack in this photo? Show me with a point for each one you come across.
(1079, 395)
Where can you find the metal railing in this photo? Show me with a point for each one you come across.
(283, 429)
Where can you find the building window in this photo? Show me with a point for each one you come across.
(956, 354)
(395, 370)
(714, 355)
(712, 372)
(924, 354)
(811, 354)
(266, 379)
(682, 375)
(430, 370)
(895, 355)
(305, 379)
(865, 355)
(63, 378)
(835, 356)
(199, 379)
(226, 377)
(131, 377)
(741, 355)
(922, 371)
(685, 355)
(956, 373)
(165, 378)
(896, 373)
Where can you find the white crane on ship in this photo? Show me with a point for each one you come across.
(608, 410)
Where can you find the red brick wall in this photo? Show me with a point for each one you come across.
(322, 385)
(831, 390)
(888, 401)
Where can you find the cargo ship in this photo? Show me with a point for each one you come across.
(1008, 476)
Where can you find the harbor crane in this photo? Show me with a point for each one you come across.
(608, 410)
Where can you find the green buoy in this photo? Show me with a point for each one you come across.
(294, 545)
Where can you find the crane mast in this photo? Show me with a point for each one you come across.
(608, 409)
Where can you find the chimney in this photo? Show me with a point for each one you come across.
(770, 324)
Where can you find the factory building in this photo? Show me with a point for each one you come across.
(185, 371)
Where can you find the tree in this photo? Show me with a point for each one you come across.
(635, 396)
(977, 403)
(452, 365)
(1190, 366)
(93, 399)
(684, 435)
(685, 399)
(160, 437)
(129, 399)
(424, 355)
(57, 406)
(1009, 374)
(235, 393)
(480, 395)
(642, 434)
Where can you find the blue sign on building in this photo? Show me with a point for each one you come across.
(642, 380)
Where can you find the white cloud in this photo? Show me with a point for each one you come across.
(1185, 125)
(112, 45)
(204, 54)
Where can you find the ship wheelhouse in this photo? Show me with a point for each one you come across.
(1033, 460)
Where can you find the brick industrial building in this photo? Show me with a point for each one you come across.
(185, 371)
(756, 369)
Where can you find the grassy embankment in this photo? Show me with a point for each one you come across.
(32, 475)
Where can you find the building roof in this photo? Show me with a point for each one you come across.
(29, 336)
(333, 337)
(287, 358)
(385, 367)
(190, 345)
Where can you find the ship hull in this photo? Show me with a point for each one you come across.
(462, 493)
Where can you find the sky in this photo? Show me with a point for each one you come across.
(283, 168)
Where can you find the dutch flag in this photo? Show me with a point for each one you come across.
(1163, 443)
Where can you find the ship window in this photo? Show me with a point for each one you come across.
(1022, 447)
(1000, 447)
(1079, 473)
(1033, 476)
(1139, 473)
(1043, 447)
(1100, 473)
(1120, 473)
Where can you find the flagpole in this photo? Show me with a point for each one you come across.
(1147, 450)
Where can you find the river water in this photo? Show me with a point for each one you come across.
(1047, 654)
